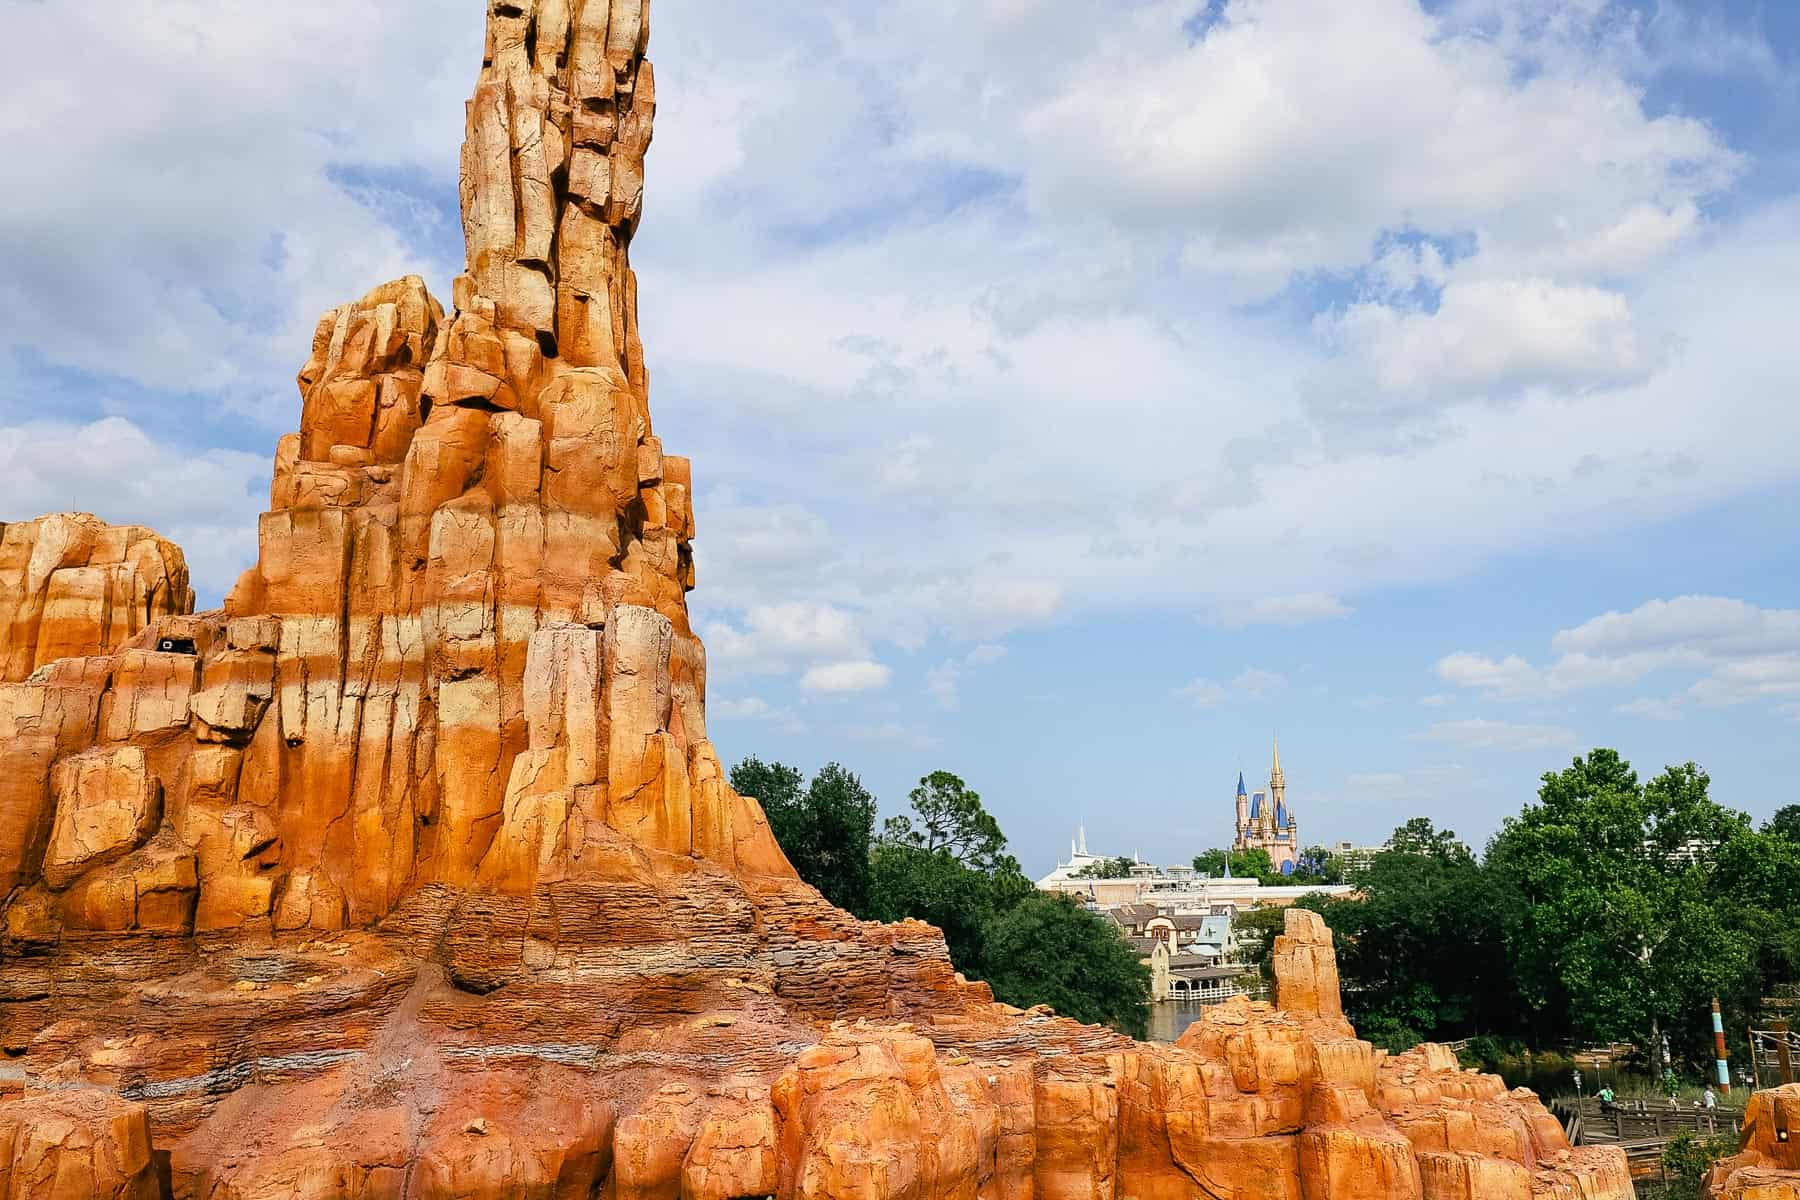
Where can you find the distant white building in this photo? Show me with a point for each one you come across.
(1176, 889)
(1356, 859)
(1079, 861)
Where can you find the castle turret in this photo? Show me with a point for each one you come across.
(1243, 807)
(1278, 781)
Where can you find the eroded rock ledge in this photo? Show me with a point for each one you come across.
(413, 873)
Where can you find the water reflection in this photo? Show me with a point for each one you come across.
(1169, 1017)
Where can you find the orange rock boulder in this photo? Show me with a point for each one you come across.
(72, 586)
(1767, 1164)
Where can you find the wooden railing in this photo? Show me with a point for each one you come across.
(1627, 1125)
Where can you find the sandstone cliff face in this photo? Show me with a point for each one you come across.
(412, 872)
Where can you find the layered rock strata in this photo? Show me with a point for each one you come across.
(413, 873)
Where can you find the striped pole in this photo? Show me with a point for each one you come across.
(1720, 1054)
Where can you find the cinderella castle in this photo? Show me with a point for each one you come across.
(1264, 821)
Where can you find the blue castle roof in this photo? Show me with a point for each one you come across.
(1240, 790)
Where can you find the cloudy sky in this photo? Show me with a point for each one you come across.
(1080, 391)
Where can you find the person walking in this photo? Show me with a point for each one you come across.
(1710, 1100)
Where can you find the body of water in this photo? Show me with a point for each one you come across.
(1169, 1017)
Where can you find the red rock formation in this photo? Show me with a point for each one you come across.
(72, 586)
(412, 872)
(1767, 1164)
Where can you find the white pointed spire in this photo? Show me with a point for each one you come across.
(1081, 832)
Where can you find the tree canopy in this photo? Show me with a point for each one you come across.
(1421, 943)
(824, 829)
(1245, 864)
(1612, 913)
(1785, 823)
(946, 863)
(1108, 868)
(1049, 950)
(949, 819)
(1608, 909)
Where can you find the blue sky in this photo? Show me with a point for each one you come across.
(1080, 394)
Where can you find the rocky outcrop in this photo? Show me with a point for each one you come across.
(1767, 1164)
(413, 873)
(72, 586)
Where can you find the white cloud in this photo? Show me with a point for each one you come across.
(229, 129)
(1300, 609)
(1482, 734)
(748, 709)
(843, 678)
(754, 708)
(1258, 683)
(944, 681)
(1714, 624)
(1437, 700)
(1253, 682)
(111, 467)
(1203, 693)
(779, 637)
(1432, 782)
(1741, 654)
(1489, 337)
(1012, 388)
(896, 733)
(1509, 678)
(1511, 222)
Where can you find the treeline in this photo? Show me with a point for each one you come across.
(1312, 867)
(1608, 910)
(946, 863)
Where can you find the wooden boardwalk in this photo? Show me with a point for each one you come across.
(1643, 1133)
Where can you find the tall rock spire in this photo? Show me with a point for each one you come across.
(553, 176)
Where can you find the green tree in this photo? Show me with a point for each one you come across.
(825, 830)
(1245, 864)
(950, 820)
(778, 788)
(1785, 823)
(1688, 1157)
(1317, 865)
(1049, 950)
(1616, 918)
(1756, 875)
(946, 864)
(932, 886)
(1111, 868)
(1255, 932)
(841, 813)
(1421, 950)
(1420, 837)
